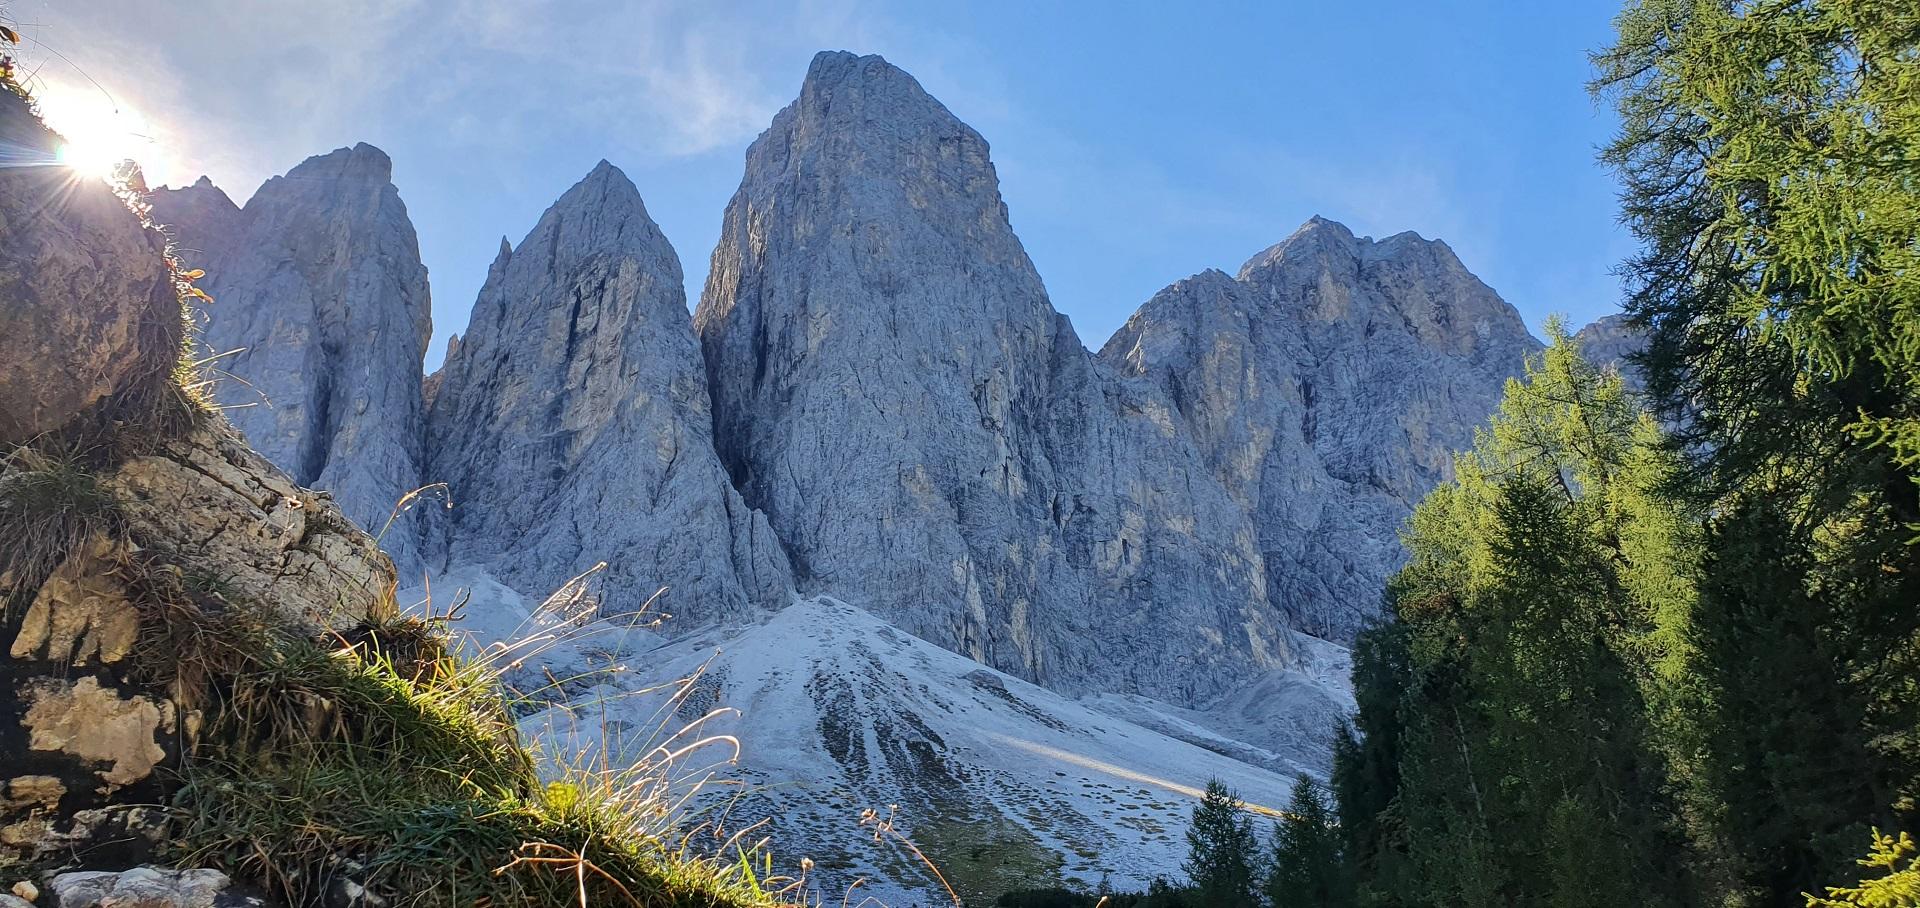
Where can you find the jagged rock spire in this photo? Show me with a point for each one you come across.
(928, 435)
(573, 425)
(320, 322)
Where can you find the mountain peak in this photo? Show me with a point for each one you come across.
(318, 276)
(835, 66)
(361, 163)
(603, 184)
(1318, 235)
(606, 172)
(869, 99)
(602, 212)
(579, 384)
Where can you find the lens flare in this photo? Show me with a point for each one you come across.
(92, 161)
(100, 134)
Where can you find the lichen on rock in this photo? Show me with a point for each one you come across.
(100, 725)
(83, 613)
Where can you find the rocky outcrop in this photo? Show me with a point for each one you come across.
(222, 508)
(320, 322)
(147, 887)
(1328, 386)
(930, 438)
(573, 424)
(69, 238)
(111, 524)
(80, 743)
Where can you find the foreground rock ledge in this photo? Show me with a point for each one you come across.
(113, 487)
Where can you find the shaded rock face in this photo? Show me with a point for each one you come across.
(1608, 342)
(68, 238)
(931, 440)
(93, 318)
(573, 425)
(321, 315)
(200, 219)
(1328, 386)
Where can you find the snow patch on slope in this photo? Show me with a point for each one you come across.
(1002, 783)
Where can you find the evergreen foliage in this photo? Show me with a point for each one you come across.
(1307, 871)
(1770, 155)
(1221, 851)
(1510, 702)
(1898, 887)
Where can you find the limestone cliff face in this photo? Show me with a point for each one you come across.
(1328, 386)
(573, 425)
(929, 437)
(875, 400)
(320, 320)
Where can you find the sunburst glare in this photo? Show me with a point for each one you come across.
(100, 133)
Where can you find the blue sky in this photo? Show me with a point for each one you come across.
(1137, 143)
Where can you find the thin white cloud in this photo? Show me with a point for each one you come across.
(242, 89)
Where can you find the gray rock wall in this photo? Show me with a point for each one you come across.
(875, 400)
(930, 438)
(573, 426)
(321, 312)
(1328, 387)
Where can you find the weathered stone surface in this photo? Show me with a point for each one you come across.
(220, 507)
(64, 238)
(321, 317)
(82, 613)
(574, 426)
(100, 725)
(1328, 387)
(931, 440)
(141, 887)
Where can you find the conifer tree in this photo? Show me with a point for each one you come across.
(1898, 885)
(1366, 766)
(1770, 157)
(1539, 614)
(1221, 850)
(1785, 735)
(1307, 870)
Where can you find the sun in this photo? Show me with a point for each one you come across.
(99, 134)
(88, 159)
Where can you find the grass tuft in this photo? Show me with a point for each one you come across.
(391, 764)
(50, 505)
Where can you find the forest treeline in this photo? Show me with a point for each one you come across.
(1662, 647)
